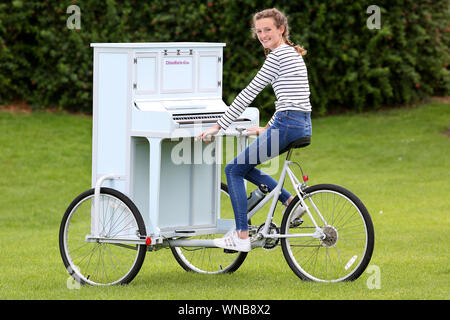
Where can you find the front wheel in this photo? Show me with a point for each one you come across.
(95, 262)
(347, 248)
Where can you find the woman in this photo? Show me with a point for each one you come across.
(285, 69)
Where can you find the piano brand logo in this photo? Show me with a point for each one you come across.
(176, 62)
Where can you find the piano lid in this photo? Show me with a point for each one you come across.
(158, 45)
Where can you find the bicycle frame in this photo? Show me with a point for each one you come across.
(275, 194)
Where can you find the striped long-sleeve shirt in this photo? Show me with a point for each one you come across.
(285, 69)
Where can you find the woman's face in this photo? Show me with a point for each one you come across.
(268, 34)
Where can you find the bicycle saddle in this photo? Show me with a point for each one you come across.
(300, 143)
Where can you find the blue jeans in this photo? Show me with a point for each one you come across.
(287, 127)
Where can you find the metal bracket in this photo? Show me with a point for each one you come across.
(94, 219)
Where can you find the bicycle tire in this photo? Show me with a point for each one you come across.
(209, 260)
(347, 252)
(75, 225)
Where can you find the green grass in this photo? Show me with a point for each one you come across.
(396, 161)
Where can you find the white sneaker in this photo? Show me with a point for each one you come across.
(296, 218)
(231, 241)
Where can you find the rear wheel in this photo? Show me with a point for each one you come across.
(349, 236)
(211, 260)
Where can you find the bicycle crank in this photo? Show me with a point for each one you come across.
(270, 243)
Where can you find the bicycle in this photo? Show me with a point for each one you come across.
(332, 241)
(338, 208)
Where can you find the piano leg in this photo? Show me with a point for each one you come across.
(154, 182)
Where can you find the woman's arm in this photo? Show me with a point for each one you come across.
(268, 73)
(206, 135)
(257, 130)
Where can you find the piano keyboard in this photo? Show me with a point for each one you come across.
(193, 118)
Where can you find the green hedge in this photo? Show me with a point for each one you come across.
(350, 66)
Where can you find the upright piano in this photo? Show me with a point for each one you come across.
(149, 102)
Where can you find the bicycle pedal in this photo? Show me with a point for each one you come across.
(229, 251)
(296, 222)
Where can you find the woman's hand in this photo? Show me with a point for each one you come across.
(206, 136)
(256, 130)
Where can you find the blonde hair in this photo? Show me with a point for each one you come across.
(279, 20)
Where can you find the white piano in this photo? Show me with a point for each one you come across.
(149, 101)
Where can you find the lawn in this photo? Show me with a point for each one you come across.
(396, 161)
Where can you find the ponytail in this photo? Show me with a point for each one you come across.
(300, 50)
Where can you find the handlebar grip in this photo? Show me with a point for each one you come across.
(242, 130)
